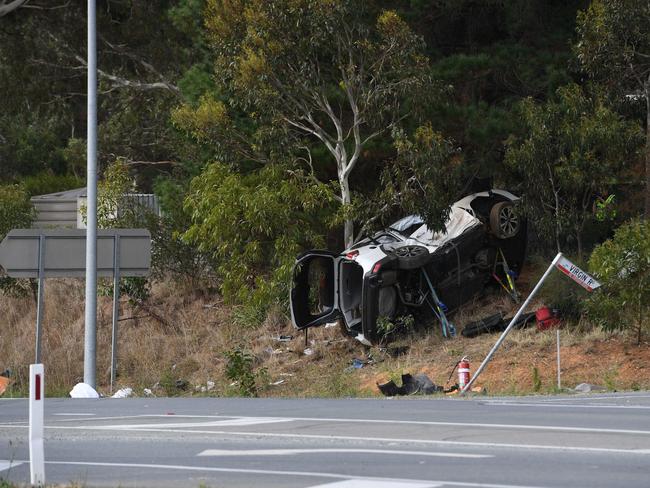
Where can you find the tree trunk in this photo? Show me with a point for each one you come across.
(346, 199)
(647, 151)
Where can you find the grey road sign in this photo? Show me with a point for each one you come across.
(58, 253)
(64, 252)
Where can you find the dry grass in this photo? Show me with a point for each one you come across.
(190, 342)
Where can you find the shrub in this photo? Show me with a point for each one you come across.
(16, 212)
(622, 264)
(239, 368)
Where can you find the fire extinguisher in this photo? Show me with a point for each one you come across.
(463, 372)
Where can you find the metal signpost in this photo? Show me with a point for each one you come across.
(58, 253)
(569, 269)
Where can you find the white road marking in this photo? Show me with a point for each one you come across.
(231, 422)
(565, 405)
(235, 421)
(590, 397)
(307, 474)
(5, 465)
(292, 452)
(75, 414)
(374, 484)
(397, 440)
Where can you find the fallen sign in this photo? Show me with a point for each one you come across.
(568, 268)
(576, 274)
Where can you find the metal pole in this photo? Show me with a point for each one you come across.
(39, 299)
(90, 341)
(512, 323)
(559, 369)
(116, 306)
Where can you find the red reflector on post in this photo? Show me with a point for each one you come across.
(37, 387)
(376, 268)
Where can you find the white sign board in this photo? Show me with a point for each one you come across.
(588, 282)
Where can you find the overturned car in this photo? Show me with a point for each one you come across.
(407, 267)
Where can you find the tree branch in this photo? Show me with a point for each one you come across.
(6, 8)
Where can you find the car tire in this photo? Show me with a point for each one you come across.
(411, 256)
(504, 221)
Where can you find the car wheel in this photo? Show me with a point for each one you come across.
(504, 221)
(411, 257)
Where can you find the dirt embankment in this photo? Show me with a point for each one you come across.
(181, 336)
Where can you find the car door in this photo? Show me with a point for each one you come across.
(315, 292)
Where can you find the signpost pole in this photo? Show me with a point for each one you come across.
(559, 369)
(39, 299)
(116, 306)
(90, 337)
(512, 323)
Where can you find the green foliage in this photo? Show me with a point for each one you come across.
(253, 225)
(622, 265)
(574, 148)
(387, 327)
(537, 381)
(564, 295)
(16, 212)
(47, 182)
(239, 369)
(614, 41)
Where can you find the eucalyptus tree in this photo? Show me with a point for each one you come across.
(614, 47)
(573, 151)
(338, 72)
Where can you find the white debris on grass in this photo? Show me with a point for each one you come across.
(123, 393)
(147, 392)
(83, 390)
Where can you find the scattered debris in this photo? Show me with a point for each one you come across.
(123, 393)
(148, 393)
(547, 318)
(284, 338)
(308, 351)
(181, 384)
(395, 351)
(331, 324)
(83, 390)
(210, 385)
(275, 383)
(588, 388)
(496, 323)
(411, 385)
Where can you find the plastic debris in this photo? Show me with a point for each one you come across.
(147, 392)
(123, 393)
(284, 338)
(83, 390)
(309, 351)
(209, 385)
(275, 383)
(411, 385)
(587, 388)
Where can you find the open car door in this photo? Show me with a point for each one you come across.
(314, 291)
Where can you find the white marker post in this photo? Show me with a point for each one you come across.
(36, 400)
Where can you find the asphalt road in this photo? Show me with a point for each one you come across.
(576, 441)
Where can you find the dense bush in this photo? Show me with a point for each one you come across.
(622, 264)
(16, 212)
(253, 226)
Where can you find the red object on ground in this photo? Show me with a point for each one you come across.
(547, 319)
(463, 372)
